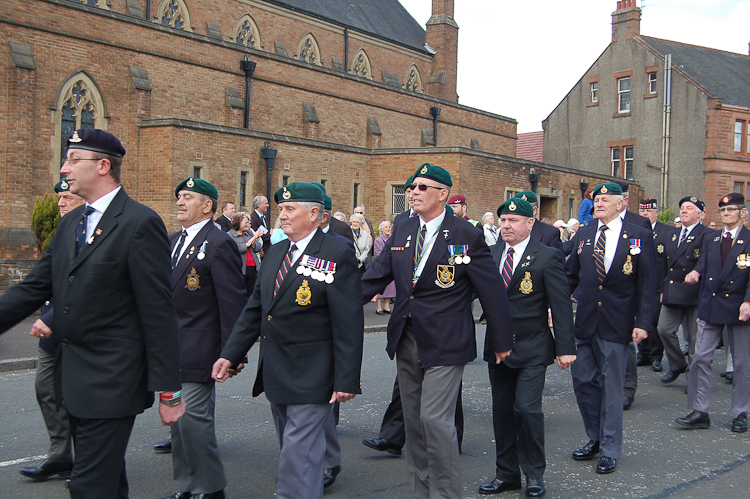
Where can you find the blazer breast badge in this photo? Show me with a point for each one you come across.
(527, 287)
(303, 294)
(193, 281)
(627, 267)
(445, 276)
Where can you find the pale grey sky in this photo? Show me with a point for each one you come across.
(520, 58)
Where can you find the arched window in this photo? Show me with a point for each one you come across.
(79, 104)
(361, 65)
(95, 3)
(246, 32)
(412, 80)
(174, 13)
(308, 50)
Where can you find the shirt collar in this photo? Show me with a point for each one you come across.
(433, 224)
(103, 202)
(302, 243)
(519, 248)
(196, 228)
(326, 229)
(734, 232)
(615, 225)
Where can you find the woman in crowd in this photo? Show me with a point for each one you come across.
(362, 240)
(383, 301)
(277, 233)
(340, 215)
(560, 225)
(585, 214)
(572, 227)
(250, 244)
(491, 233)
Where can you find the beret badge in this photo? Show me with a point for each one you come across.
(522, 197)
(726, 199)
(604, 189)
(693, 199)
(75, 137)
(286, 194)
(512, 206)
(64, 184)
(190, 183)
(423, 170)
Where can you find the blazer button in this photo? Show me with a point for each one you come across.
(710, 278)
(72, 278)
(65, 342)
(600, 304)
(66, 310)
(671, 270)
(714, 294)
(731, 282)
(47, 303)
(671, 282)
(411, 297)
(726, 296)
(683, 269)
(601, 287)
(269, 318)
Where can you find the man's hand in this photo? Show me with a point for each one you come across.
(40, 329)
(501, 356)
(549, 319)
(692, 278)
(170, 415)
(219, 372)
(639, 334)
(231, 373)
(745, 311)
(661, 297)
(341, 397)
(565, 361)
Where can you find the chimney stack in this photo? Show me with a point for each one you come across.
(626, 20)
(442, 36)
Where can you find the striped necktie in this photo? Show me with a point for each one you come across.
(599, 253)
(178, 248)
(508, 267)
(420, 249)
(285, 266)
(81, 228)
(683, 236)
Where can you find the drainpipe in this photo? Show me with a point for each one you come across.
(666, 128)
(269, 155)
(148, 10)
(346, 50)
(248, 67)
(435, 112)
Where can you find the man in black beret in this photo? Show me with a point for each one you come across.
(679, 300)
(108, 269)
(542, 232)
(724, 301)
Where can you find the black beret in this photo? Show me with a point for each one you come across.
(623, 185)
(692, 199)
(95, 140)
(733, 198)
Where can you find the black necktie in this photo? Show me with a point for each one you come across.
(726, 247)
(178, 248)
(81, 228)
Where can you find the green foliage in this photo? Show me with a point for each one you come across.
(666, 216)
(44, 220)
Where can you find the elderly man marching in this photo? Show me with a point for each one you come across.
(724, 301)
(613, 261)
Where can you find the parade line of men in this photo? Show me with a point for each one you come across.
(173, 317)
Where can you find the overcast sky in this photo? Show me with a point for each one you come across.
(520, 58)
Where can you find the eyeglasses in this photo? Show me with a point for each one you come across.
(75, 161)
(728, 209)
(423, 187)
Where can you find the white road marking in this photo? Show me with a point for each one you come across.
(3, 464)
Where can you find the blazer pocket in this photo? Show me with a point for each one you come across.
(312, 365)
(103, 267)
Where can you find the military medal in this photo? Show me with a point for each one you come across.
(580, 248)
(303, 294)
(627, 268)
(202, 251)
(193, 281)
(742, 261)
(408, 241)
(526, 285)
(445, 276)
(458, 254)
(635, 246)
(660, 248)
(316, 268)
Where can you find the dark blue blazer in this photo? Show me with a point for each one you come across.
(206, 313)
(441, 315)
(404, 215)
(723, 289)
(662, 233)
(636, 219)
(546, 234)
(626, 298)
(679, 261)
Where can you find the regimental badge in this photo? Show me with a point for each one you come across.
(512, 206)
(193, 281)
(75, 138)
(286, 194)
(445, 276)
(423, 170)
(446, 232)
(604, 189)
(526, 285)
(64, 184)
(190, 183)
(716, 239)
(742, 262)
(696, 253)
(674, 237)
(693, 199)
(523, 196)
(660, 248)
(303, 294)
(726, 199)
(580, 248)
(627, 267)
(740, 241)
(408, 241)
(98, 232)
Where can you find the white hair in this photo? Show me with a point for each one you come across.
(358, 217)
(309, 205)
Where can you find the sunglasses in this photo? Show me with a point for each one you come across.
(423, 187)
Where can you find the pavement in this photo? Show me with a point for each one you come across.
(659, 460)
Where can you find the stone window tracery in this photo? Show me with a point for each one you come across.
(246, 32)
(412, 80)
(361, 65)
(174, 13)
(308, 50)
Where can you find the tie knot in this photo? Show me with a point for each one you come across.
(88, 211)
(183, 233)
(293, 248)
(603, 228)
(728, 235)
(511, 251)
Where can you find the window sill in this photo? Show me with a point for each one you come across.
(621, 115)
(592, 104)
(650, 96)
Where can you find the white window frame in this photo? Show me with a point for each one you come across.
(628, 162)
(398, 196)
(738, 132)
(615, 171)
(652, 89)
(594, 91)
(623, 96)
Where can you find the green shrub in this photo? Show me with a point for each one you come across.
(44, 220)
(666, 216)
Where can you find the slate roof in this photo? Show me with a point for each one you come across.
(386, 19)
(530, 146)
(724, 74)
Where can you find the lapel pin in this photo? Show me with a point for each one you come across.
(98, 232)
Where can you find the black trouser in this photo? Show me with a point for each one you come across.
(251, 274)
(652, 348)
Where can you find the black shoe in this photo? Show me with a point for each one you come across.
(626, 403)
(723, 374)
(535, 487)
(382, 445)
(180, 495)
(695, 419)
(212, 495)
(47, 469)
(329, 476)
(164, 447)
(386, 311)
(671, 375)
(586, 452)
(730, 377)
(67, 483)
(380, 312)
(496, 486)
(739, 425)
(606, 465)
(657, 366)
(642, 361)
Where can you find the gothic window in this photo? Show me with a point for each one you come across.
(308, 50)
(174, 13)
(246, 32)
(361, 65)
(412, 80)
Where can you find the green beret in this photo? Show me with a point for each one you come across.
(434, 172)
(409, 181)
(327, 202)
(516, 206)
(197, 185)
(529, 196)
(450, 210)
(320, 186)
(607, 188)
(299, 192)
(62, 185)
(95, 140)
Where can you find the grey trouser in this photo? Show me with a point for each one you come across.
(333, 449)
(58, 425)
(669, 322)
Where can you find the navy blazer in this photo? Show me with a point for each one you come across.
(662, 232)
(636, 219)
(341, 228)
(545, 286)
(546, 234)
(626, 298)
(311, 340)
(440, 309)
(48, 317)
(723, 289)
(209, 293)
(679, 261)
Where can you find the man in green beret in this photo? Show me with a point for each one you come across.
(542, 232)
(208, 290)
(311, 336)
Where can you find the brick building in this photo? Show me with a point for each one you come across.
(250, 95)
(672, 117)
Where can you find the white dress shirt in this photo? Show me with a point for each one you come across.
(99, 206)
(192, 231)
(518, 251)
(614, 228)
(433, 228)
(301, 245)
